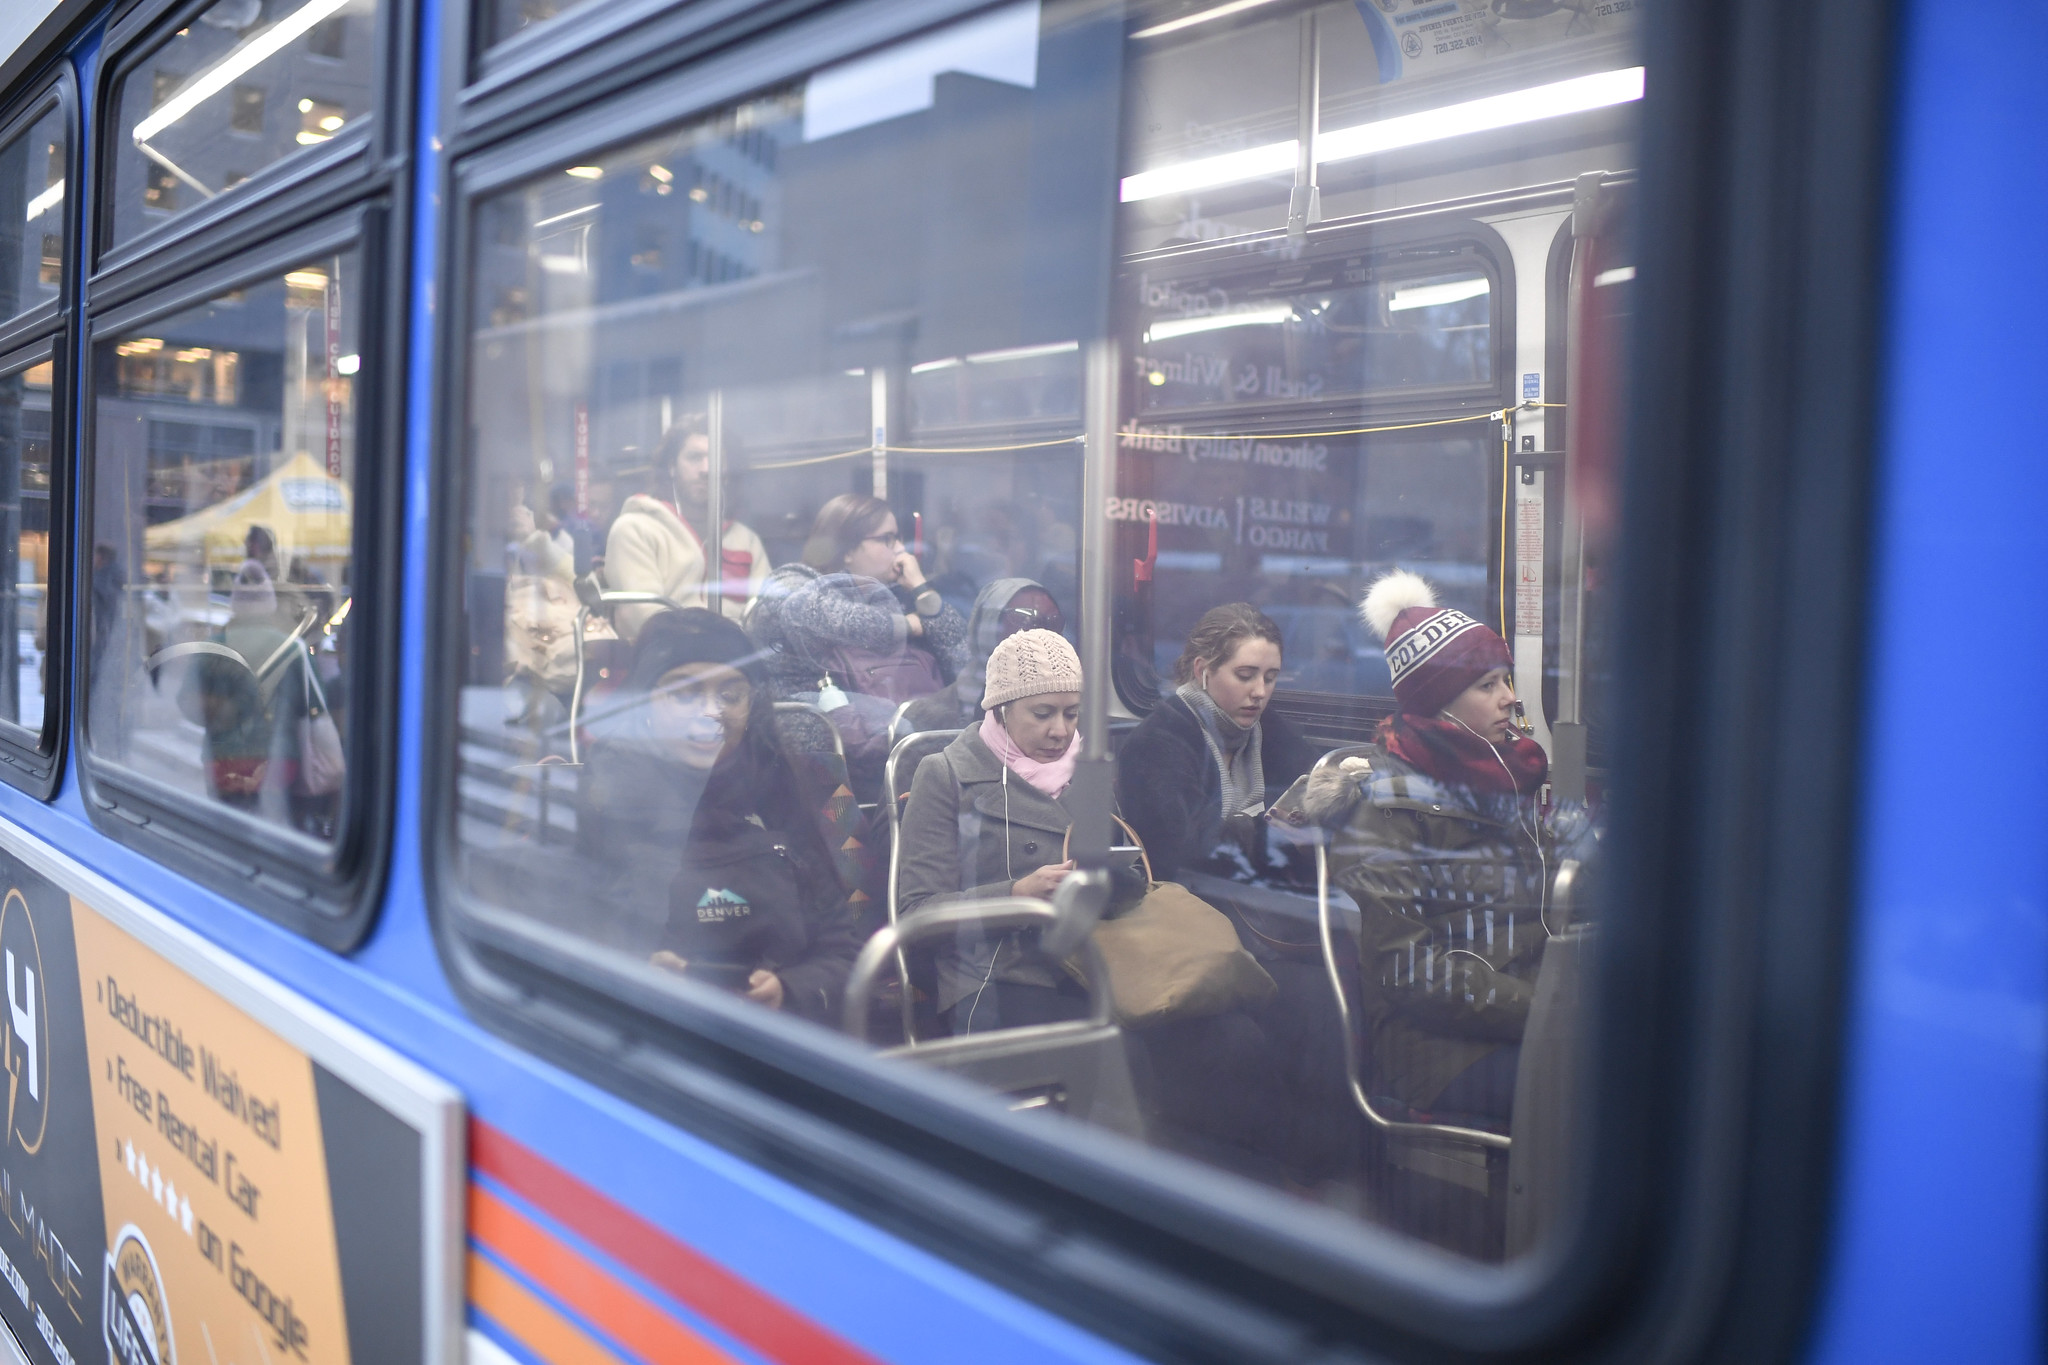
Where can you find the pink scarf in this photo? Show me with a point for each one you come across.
(1051, 778)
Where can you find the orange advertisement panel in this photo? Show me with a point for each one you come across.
(199, 1167)
(212, 1167)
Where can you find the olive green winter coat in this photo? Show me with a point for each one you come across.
(1451, 886)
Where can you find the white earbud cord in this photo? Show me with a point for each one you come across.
(1542, 862)
(1008, 871)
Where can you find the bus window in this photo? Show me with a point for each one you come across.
(238, 89)
(33, 170)
(842, 322)
(776, 422)
(1338, 411)
(216, 646)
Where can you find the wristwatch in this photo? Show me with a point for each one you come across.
(928, 602)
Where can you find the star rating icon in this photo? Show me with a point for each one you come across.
(160, 1190)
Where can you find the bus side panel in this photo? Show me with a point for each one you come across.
(1938, 1233)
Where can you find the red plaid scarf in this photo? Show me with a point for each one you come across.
(1452, 754)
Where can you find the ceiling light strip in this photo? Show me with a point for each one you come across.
(253, 53)
(1578, 95)
(1190, 20)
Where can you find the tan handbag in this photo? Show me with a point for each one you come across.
(1174, 956)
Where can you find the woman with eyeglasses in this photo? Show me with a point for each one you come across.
(854, 629)
(1002, 609)
(705, 843)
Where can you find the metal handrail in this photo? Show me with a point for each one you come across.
(1000, 915)
(188, 648)
(1448, 1132)
(185, 649)
(889, 769)
(896, 720)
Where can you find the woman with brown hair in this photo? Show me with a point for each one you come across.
(1196, 778)
(657, 542)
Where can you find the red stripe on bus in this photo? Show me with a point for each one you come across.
(755, 1317)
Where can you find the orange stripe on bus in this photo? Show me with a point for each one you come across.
(705, 1286)
(589, 1289)
(539, 1328)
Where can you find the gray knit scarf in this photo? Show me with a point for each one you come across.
(1236, 750)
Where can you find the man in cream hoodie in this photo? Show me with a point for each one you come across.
(655, 545)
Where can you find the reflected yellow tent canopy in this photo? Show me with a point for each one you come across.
(307, 510)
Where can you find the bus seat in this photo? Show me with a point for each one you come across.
(1078, 1067)
(897, 775)
(1548, 1093)
(1443, 1180)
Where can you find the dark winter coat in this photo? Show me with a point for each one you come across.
(1168, 788)
(640, 817)
(1451, 886)
(967, 835)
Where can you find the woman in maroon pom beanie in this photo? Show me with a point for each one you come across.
(1441, 840)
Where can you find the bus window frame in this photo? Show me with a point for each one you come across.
(1694, 1117)
(303, 184)
(326, 892)
(32, 761)
(28, 762)
(555, 68)
(356, 190)
(60, 92)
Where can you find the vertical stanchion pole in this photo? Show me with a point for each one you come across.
(714, 504)
(878, 410)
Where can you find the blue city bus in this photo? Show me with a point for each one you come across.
(453, 914)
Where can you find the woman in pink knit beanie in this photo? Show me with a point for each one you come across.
(986, 819)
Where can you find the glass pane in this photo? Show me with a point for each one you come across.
(883, 390)
(25, 454)
(224, 470)
(32, 169)
(854, 324)
(240, 88)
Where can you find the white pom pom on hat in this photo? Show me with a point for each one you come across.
(1392, 594)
